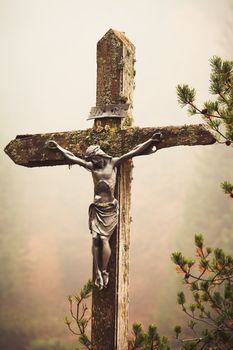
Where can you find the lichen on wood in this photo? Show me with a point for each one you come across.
(31, 150)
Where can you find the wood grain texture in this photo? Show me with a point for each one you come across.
(124, 195)
(115, 75)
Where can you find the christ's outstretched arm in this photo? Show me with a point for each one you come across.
(69, 155)
(146, 147)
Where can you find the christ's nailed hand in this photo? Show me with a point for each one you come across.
(157, 136)
(51, 144)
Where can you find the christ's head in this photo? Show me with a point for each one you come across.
(95, 155)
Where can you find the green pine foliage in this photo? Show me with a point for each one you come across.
(78, 324)
(227, 188)
(217, 113)
(209, 278)
(147, 340)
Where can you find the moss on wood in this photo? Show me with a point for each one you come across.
(30, 150)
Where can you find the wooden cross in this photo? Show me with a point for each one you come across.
(116, 136)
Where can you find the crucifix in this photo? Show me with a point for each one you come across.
(103, 212)
(109, 145)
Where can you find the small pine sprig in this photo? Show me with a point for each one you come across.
(86, 290)
(217, 114)
(145, 340)
(227, 188)
(79, 316)
(186, 95)
(212, 292)
(177, 330)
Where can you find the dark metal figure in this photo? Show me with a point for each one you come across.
(103, 212)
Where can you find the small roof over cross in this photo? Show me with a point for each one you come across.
(114, 132)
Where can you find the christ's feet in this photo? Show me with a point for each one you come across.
(99, 281)
(105, 275)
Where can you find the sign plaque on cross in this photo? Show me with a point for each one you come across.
(113, 131)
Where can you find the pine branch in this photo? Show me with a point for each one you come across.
(221, 85)
(215, 304)
(80, 320)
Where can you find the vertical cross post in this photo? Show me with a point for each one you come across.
(115, 75)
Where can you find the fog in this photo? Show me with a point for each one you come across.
(48, 82)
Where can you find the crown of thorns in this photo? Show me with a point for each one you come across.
(95, 150)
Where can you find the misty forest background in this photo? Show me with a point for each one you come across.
(47, 84)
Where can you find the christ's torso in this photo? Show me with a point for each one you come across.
(104, 183)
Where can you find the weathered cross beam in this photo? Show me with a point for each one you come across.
(116, 136)
(30, 150)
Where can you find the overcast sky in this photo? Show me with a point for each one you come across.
(47, 84)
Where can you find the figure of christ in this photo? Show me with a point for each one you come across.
(103, 212)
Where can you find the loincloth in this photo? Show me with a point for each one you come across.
(103, 218)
